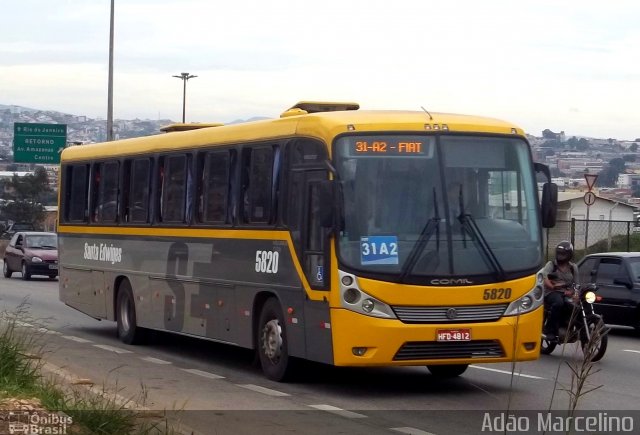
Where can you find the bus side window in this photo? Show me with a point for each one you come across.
(174, 188)
(95, 190)
(76, 193)
(138, 192)
(257, 188)
(213, 193)
(106, 206)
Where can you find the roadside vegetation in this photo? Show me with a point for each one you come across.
(26, 391)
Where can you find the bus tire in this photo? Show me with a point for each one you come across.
(128, 330)
(272, 342)
(447, 371)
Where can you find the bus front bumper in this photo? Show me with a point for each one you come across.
(360, 340)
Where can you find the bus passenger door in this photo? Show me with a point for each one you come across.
(306, 172)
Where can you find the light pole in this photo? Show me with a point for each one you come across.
(184, 77)
(110, 81)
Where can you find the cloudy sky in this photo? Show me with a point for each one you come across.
(564, 65)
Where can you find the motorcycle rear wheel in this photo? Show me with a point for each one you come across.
(597, 346)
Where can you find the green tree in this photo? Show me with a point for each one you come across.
(23, 197)
(608, 177)
(583, 144)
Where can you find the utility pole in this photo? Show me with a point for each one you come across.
(184, 77)
(110, 85)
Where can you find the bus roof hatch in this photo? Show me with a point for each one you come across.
(304, 107)
(188, 126)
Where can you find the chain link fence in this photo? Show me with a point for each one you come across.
(590, 236)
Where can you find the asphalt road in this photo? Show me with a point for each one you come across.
(217, 389)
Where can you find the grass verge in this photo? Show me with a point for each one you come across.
(28, 397)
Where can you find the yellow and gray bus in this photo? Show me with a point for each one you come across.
(331, 234)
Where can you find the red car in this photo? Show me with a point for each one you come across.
(32, 253)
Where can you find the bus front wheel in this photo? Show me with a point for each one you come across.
(128, 330)
(272, 342)
(448, 371)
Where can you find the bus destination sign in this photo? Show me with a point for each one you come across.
(396, 146)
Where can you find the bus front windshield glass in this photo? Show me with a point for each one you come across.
(417, 207)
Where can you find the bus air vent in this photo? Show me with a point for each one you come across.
(418, 350)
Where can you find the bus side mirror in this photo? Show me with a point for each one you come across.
(322, 203)
(549, 205)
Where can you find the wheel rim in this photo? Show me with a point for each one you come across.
(5, 269)
(124, 315)
(272, 340)
(24, 269)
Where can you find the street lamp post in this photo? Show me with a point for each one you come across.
(184, 77)
(110, 81)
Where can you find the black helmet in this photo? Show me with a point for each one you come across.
(564, 251)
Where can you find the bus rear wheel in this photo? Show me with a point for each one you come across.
(448, 371)
(272, 342)
(128, 330)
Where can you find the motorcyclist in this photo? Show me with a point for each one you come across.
(564, 274)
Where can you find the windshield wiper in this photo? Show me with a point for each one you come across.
(432, 226)
(469, 223)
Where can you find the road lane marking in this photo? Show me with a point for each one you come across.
(155, 360)
(507, 372)
(338, 411)
(632, 351)
(203, 374)
(263, 390)
(111, 348)
(410, 431)
(76, 339)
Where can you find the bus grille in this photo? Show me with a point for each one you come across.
(417, 350)
(457, 314)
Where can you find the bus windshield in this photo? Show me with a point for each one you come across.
(433, 206)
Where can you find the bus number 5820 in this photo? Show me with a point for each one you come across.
(267, 261)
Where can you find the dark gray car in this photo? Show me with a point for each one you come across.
(617, 275)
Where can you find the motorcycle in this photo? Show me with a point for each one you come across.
(579, 322)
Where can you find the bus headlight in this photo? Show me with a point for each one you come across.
(590, 297)
(368, 305)
(527, 303)
(351, 296)
(354, 299)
